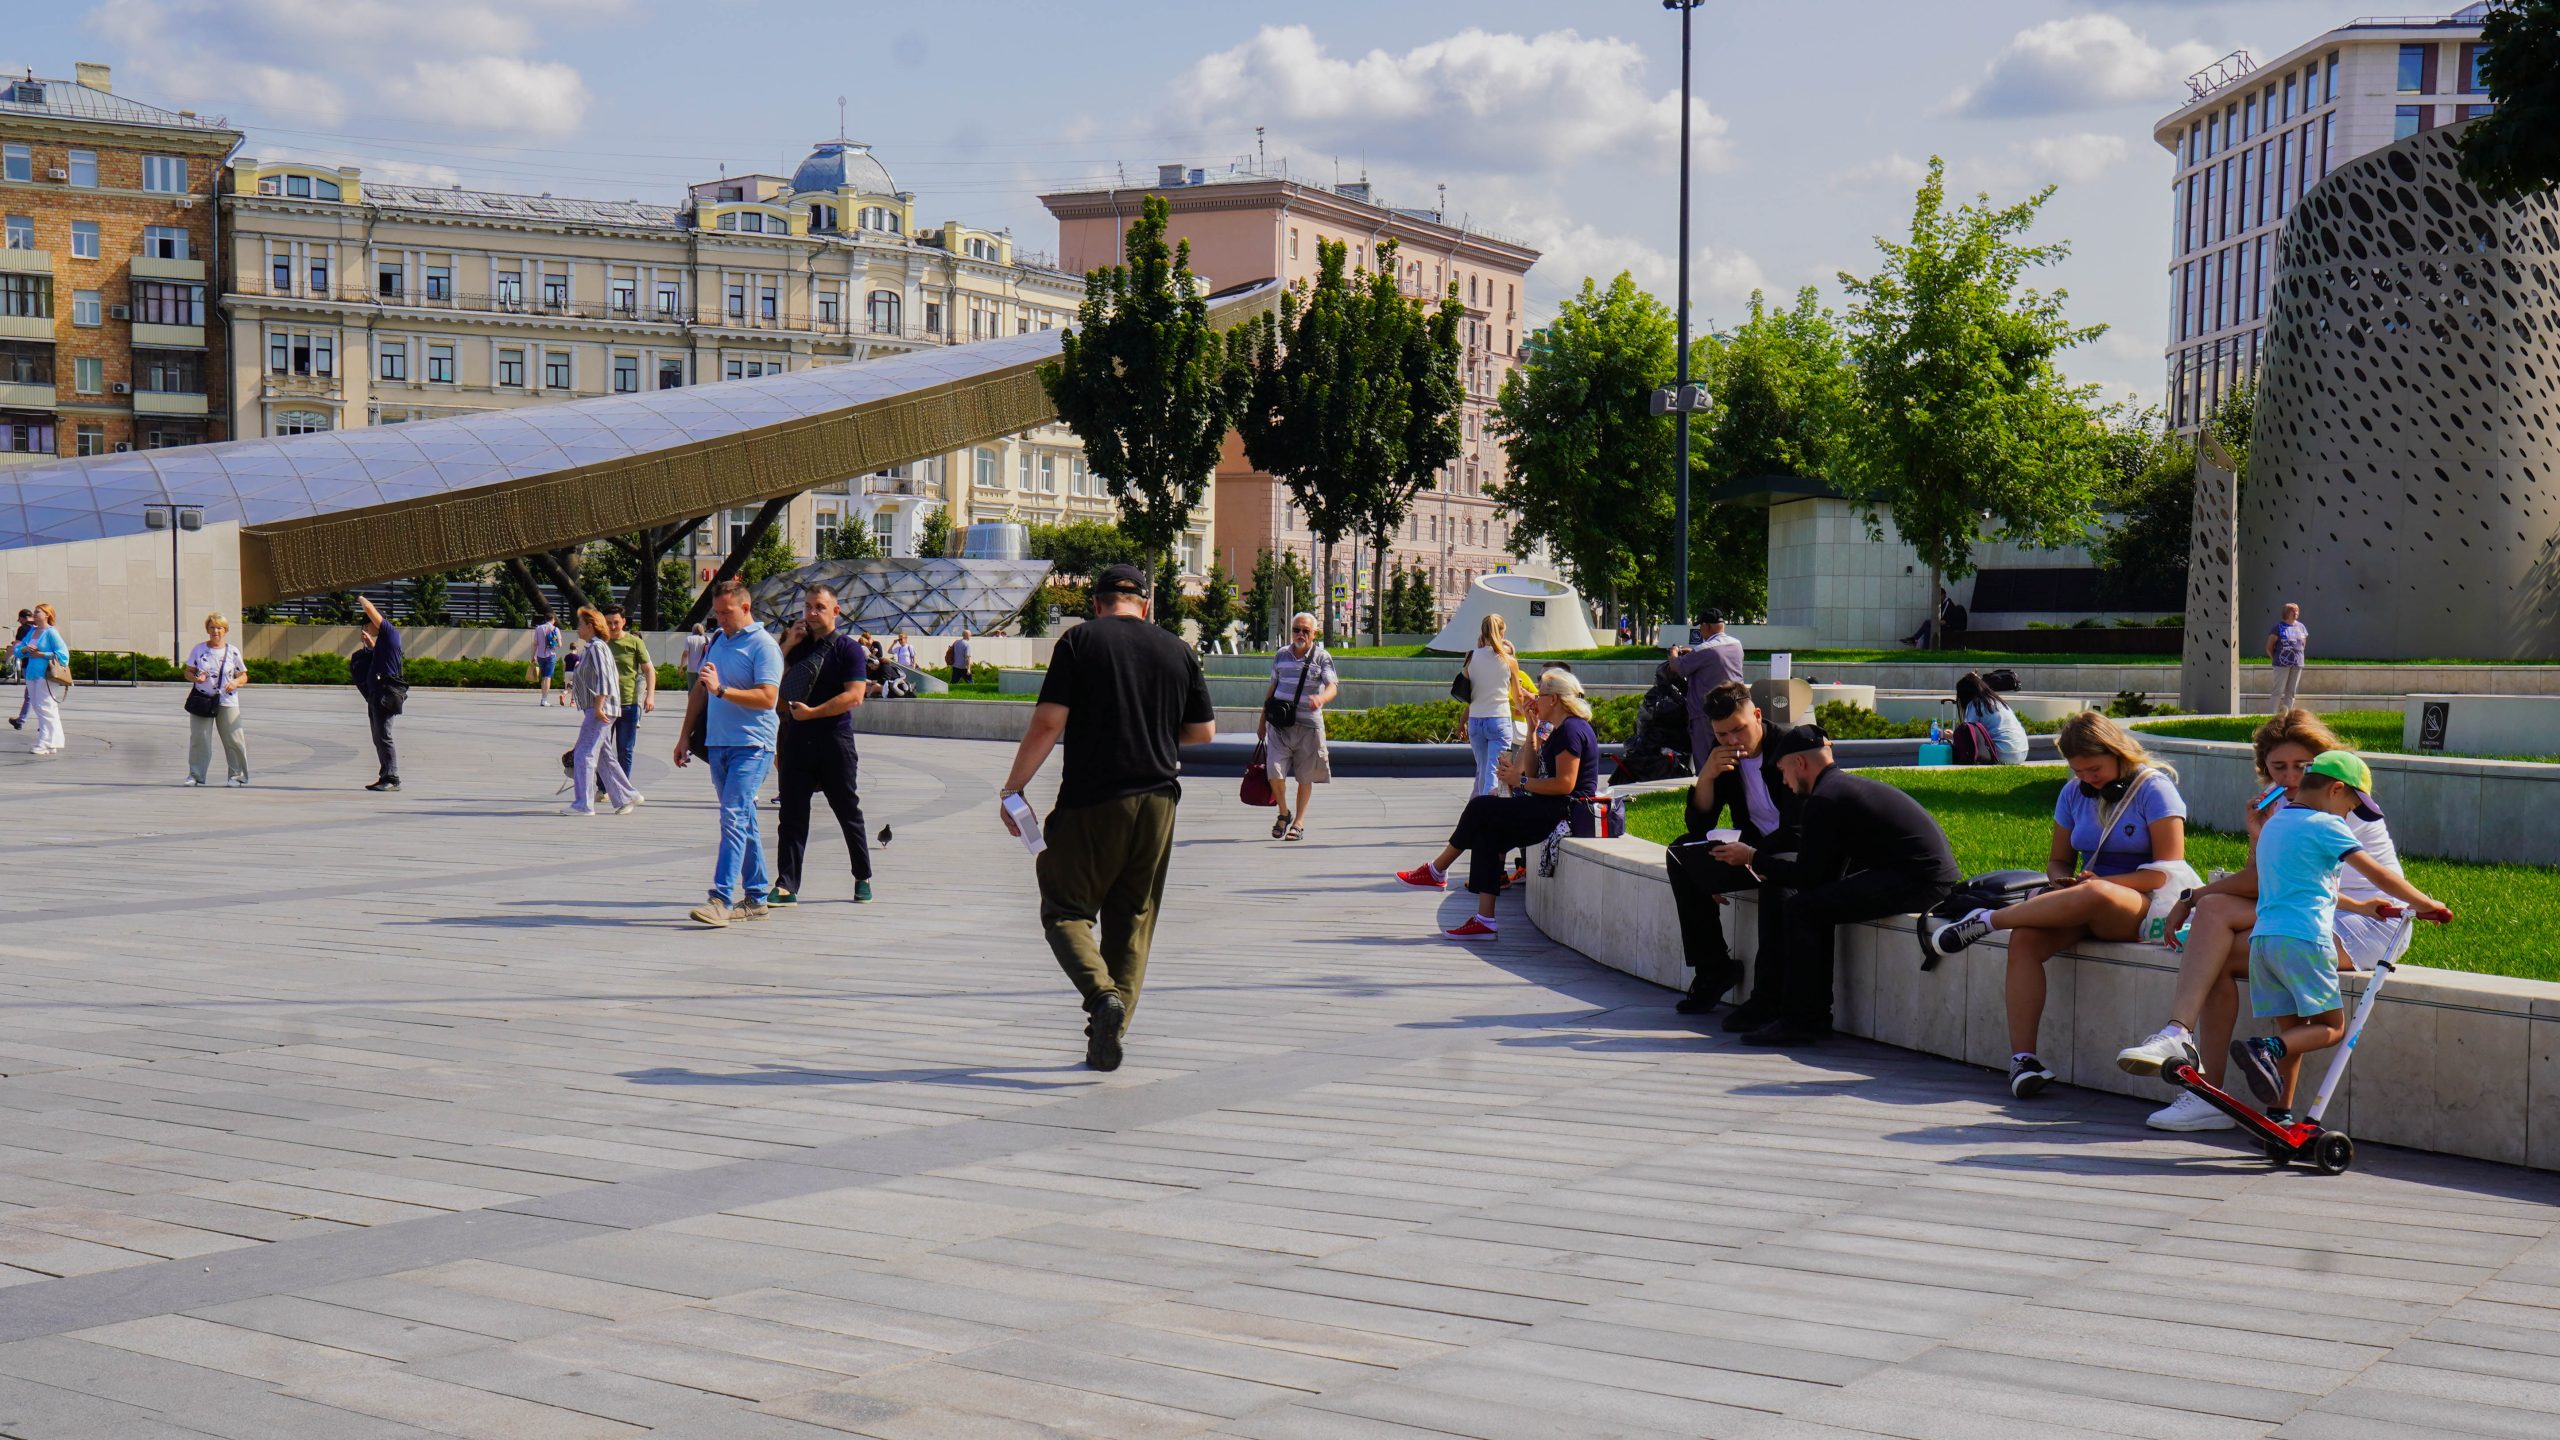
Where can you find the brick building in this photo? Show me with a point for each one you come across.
(108, 222)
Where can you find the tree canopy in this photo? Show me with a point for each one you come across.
(1783, 395)
(2514, 152)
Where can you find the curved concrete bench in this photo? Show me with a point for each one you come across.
(2453, 1062)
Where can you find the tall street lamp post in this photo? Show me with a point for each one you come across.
(174, 516)
(1683, 398)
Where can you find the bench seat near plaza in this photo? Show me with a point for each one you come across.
(337, 1115)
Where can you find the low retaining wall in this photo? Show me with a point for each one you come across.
(975, 719)
(2456, 809)
(480, 642)
(2458, 1063)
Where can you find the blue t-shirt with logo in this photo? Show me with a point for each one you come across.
(2128, 846)
(745, 660)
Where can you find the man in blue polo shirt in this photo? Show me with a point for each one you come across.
(733, 699)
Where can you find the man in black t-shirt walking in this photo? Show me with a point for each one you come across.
(1125, 695)
(825, 673)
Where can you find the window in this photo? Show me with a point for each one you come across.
(2328, 132)
(2404, 121)
(279, 354)
(2413, 69)
(319, 276)
(27, 435)
(510, 288)
(168, 302)
(2329, 83)
(1293, 242)
(84, 239)
(511, 368)
(393, 362)
(166, 173)
(439, 364)
(880, 217)
(671, 374)
(555, 369)
(1048, 474)
(737, 296)
(24, 362)
(626, 374)
(300, 422)
(830, 307)
(169, 372)
(92, 439)
(555, 291)
(89, 375)
(989, 477)
(17, 162)
(439, 282)
(165, 242)
(822, 219)
(280, 273)
(1022, 469)
(624, 296)
(87, 308)
(670, 298)
(19, 232)
(933, 317)
(2475, 80)
(324, 354)
(390, 280)
(766, 302)
(2248, 118)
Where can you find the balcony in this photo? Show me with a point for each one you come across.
(26, 327)
(25, 397)
(147, 267)
(171, 337)
(26, 262)
(301, 387)
(170, 402)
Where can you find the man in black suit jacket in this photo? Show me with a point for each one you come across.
(1864, 850)
(1737, 778)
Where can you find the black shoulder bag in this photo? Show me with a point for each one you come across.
(1463, 688)
(1285, 717)
(207, 706)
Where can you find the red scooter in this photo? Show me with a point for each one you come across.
(2328, 1151)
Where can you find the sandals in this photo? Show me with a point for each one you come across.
(1280, 826)
(1295, 832)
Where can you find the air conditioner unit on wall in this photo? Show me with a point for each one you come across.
(57, 174)
(123, 445)
(121, 388)
(121, 312)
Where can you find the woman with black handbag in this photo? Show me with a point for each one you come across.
(216, 672)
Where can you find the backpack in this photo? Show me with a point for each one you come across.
(1973, 744)
(1987, 891)
(2004, 681)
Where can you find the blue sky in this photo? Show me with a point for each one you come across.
(1553, 122)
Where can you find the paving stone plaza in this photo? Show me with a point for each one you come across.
(340, 1115)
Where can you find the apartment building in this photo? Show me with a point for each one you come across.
(107, 223)
(353, 303)
(2254, 138)
(1244, 226)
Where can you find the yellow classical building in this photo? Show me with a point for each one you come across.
(351, 303)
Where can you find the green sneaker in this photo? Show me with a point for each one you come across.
(861, 892)
(780, 896)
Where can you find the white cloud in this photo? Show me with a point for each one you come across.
(2072, 159)
(1896, 171)
(1475, 99)
(2083, 62)
(463, 63)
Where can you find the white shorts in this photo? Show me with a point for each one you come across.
(2368, 941)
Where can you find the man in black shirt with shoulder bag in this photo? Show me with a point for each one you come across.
(825, 674)
(1125, 695)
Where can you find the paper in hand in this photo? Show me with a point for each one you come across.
(1027, 821)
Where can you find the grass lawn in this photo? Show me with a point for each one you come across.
(2377, 732)
(2001, 817)
(981, 685)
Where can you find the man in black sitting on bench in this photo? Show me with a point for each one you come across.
(1738, 778)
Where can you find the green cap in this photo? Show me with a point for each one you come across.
(2348, 766)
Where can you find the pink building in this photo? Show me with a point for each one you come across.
(1249, 227)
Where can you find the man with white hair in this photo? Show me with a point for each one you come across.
(1303, 682)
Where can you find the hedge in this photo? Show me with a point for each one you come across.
(330, 668)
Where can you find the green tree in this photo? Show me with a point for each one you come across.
(934, 537)
(771, 556)
(2143, 550)
(1590, 469)
(2232, 422)
(1426, 341)
(675, 586)
(1782, 391)
(851, 539)
(1170, 606)
(2514, 152)
(1080, 549)
(1397, 607)
(1216, 607)
(1143, 379)
(1422, 617)
(515, 612)
(430, 596)
(1966, 429)
(1326, 404)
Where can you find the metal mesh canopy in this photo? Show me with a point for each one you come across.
(920, 597)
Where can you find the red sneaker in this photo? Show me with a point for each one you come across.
(1520, 876)
(1423, 877)
(1474, 929)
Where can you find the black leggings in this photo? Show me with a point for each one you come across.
(1493, 825)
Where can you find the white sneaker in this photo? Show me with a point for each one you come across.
(627, 806)
(2189, 1112)
(572, 810)
(192, 783)
(2165, 1048)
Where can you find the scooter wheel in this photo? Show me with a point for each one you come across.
(2333, 1152)
(2276, 1154)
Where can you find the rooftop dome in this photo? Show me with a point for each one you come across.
(842, 164)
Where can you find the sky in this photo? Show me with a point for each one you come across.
(1555, 122)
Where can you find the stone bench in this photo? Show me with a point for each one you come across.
(2452, 1062)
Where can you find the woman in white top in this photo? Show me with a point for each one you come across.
(1492, 669)
(217, 669)
(695, 643)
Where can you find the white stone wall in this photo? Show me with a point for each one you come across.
(1829, 577)
(114, 594)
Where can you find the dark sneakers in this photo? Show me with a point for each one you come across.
(2260, 1060)
(1748, 1016)
(387, 782)
(1787, 1033)
(1102, 1033)
(1708, 985)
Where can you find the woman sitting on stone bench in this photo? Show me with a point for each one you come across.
(2123, 813)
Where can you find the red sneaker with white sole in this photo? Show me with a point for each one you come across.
(1423, 877)
(1474, 929)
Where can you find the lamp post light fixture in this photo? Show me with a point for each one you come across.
(174, 516)
(1686, 398)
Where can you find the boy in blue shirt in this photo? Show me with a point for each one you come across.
(2293, 967)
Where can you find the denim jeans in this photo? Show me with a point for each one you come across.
(626, 735)
(1487, 738)
(739, 771)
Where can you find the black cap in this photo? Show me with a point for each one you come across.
(1796, 741)
(1120, 580)
(1711, 616)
